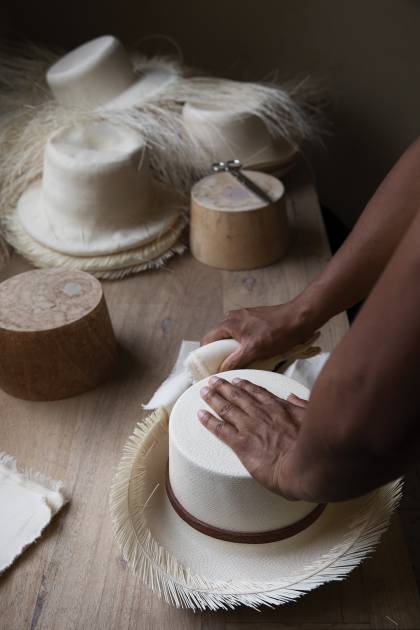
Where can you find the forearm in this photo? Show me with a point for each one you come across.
(352, 272)
(362, 423)
(337, 456)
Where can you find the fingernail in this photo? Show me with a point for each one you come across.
(236, 381)
(201, 414)
(213, 380)
(204, 391)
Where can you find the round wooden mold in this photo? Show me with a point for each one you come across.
(56, 336)
(231, 228)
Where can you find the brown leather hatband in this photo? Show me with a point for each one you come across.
(241, 537)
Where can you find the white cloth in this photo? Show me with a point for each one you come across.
(28, 502)
(306, 371)
(195, 363)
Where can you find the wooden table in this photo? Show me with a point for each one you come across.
(74, 576)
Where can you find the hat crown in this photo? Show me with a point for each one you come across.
(92, 74)
(97, 195)
(208, 479)
(227, 135)
(95, 170)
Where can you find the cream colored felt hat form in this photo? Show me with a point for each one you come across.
(204, 534)
(100, 73)
(230, 134)
(97, 206)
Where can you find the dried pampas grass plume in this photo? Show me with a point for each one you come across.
(29, 114)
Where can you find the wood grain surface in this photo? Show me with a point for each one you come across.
(74, 576)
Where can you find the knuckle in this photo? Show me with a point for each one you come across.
(218, 428)
(226, 409)
(235, 393)
(250, 387)
(205, 416)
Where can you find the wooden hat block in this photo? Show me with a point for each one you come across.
(56, 337)
(231, 228)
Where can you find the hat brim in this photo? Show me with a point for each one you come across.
(74, 241)
(152, 82)
(276, 155)
(111, 266)
(190, 569)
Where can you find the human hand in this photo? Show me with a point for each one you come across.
(262, 332)
(259, 427)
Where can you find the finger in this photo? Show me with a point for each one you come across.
(226, 409)
(309, 341)
(263, 397)
(220, 332)
(296, 414)
(223, 430)
(260, 394)
(238, 359)
(298, 402)
(234, 394)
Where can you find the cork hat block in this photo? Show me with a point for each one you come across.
(56, 337)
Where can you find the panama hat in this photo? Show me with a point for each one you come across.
(96, 207)
(100, 73)
(203, 534)
(236, 134)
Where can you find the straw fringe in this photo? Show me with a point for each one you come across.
(177, 585)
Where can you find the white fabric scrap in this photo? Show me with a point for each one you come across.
(28, 502)
(177, 382)
(306, 371)
(195, 362)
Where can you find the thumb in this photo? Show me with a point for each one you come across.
(238, 359)
(297, 401)
(215, 334)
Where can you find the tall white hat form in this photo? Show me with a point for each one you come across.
(204, 534)
(96, 195)
(209, 485)
(99, 73)
(235, 134)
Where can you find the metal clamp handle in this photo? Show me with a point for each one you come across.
(234, 167)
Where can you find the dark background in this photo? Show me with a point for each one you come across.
(366, 53)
